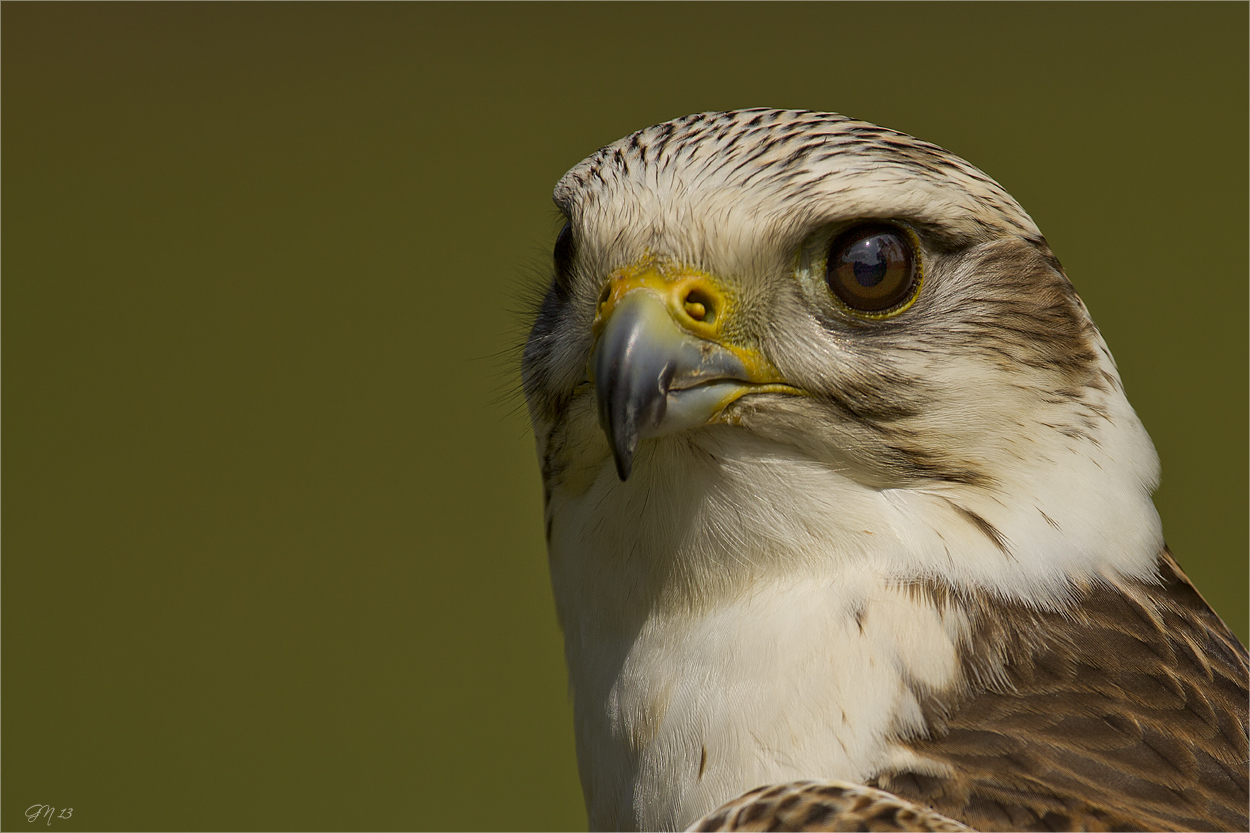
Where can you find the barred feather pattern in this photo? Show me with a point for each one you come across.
(823, 805)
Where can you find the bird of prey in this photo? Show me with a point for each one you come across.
(845, 501)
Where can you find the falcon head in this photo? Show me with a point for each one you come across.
(776, 338)
(841, 483)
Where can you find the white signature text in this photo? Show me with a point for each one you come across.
(37, 811)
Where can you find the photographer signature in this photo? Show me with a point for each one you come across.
(35, 811)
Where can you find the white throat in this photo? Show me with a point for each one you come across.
(737, 614)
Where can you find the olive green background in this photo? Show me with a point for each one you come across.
(273, 547)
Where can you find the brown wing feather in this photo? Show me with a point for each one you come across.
(1127, 711)
(824, 805)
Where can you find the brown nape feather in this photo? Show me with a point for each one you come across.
(1125, 711)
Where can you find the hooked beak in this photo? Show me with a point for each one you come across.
(661, 364)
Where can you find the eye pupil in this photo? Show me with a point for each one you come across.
(873, 269)
(869, 265)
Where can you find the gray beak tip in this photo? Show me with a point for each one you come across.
(624, 463)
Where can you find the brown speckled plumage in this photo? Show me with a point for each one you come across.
(1125, 711)
(824, 805)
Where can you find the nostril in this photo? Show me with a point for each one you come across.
(699, 306)
(603, 295)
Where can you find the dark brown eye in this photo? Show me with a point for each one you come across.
(873, 269)
(562, 256)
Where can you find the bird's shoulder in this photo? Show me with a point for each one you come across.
(1125, 709)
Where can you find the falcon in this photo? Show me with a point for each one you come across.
(849, 520)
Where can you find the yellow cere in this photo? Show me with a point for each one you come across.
(689, 293)
(697, 303)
